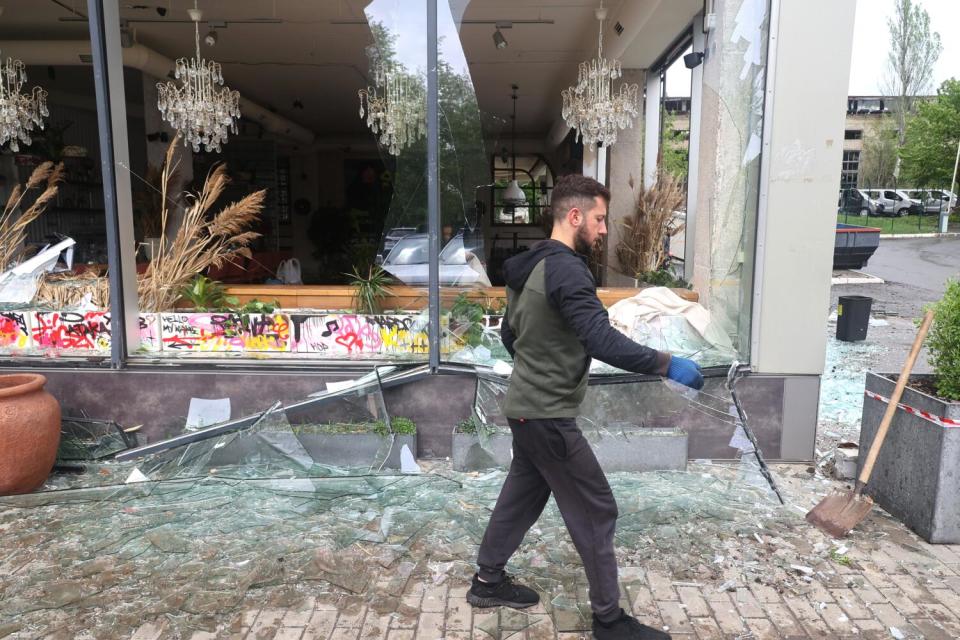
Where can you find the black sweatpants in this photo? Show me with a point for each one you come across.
(551, 455)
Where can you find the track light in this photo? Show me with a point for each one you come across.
(211, 38)
(498, 40)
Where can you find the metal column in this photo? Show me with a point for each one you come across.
(104, 23)
(433, 188)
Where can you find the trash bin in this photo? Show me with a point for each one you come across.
(853, 317)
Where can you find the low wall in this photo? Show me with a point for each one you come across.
(329, 334)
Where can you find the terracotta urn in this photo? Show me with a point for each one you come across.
(29, 432)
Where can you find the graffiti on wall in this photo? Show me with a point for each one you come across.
(225, 332)
(266, 332)
(201, 332)
(149, 331)
(345, 334)
(15, 330)
(71, 330)
(332, 335)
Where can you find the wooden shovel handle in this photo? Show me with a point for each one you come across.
(894, 400)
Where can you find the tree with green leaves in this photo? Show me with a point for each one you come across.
(928, 156)
(674, 148)
(878, 159)
(913, 51)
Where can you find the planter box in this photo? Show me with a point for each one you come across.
(469, 455)
(917, 475)
(854, 245)
(336, 449)
(636, 449)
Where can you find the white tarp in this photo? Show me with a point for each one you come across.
(659, 318)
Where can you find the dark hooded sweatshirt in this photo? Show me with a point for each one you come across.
(554, 325)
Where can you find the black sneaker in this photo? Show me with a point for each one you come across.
(626, 628)
(505, 593)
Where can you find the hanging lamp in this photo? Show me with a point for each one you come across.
(514, 195)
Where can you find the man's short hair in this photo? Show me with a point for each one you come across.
(574, 190)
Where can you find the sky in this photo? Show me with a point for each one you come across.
(869, 58)
(870, 32)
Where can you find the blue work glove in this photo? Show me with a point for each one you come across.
(686, 372)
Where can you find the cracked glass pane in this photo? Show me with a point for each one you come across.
(621, 416)
(90, 439)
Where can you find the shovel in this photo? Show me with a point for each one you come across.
(841, 511)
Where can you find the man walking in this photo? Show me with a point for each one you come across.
(553, 326)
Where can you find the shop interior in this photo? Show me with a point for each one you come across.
(338, 197)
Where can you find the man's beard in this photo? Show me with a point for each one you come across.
(580, 243)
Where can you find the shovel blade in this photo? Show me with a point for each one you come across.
(840, 512)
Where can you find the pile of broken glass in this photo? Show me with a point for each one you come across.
(271, 510)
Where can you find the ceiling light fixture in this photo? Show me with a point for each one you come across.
(395, 105)
(19, 112)
(513, 195)
(211, 38)
(498, 40)
(199, 106)
(591, 106)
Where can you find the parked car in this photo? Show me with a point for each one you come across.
(896, 202)
(859, 201)
(459, 266)
(394, 235)
(934, 200)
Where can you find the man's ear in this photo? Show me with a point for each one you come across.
(575, 217)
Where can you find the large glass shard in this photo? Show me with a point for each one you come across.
(89, 439)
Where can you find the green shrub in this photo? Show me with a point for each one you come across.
(259, 306)
(401, 427)
(663, 278)
(467, 426)
(468, 315)
(943, 342)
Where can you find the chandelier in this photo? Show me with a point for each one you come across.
(19, 113)
(395, 108)
(591, 106)
(199, 107)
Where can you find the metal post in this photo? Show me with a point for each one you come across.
(944, 217)
(433, 189)
(104, 25)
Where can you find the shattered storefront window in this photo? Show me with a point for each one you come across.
(196, 530)
(734, 85)
(624, 416)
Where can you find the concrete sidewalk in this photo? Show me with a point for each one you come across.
(884, 582)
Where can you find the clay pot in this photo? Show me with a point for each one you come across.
(29, 432)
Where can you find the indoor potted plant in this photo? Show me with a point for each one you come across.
(915, 477)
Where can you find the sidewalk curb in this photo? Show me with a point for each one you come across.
(896, 236)
(865, 278)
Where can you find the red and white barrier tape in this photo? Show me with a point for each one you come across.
(937, 420)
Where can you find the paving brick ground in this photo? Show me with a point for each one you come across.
(902, 588)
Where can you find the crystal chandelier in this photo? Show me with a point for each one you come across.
(19, 113)
(395, 108)
(591, 107)
(199, 106)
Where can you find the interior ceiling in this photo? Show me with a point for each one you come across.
(313, 57)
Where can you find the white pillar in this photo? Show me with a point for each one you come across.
(651, 130)
(802, 148)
